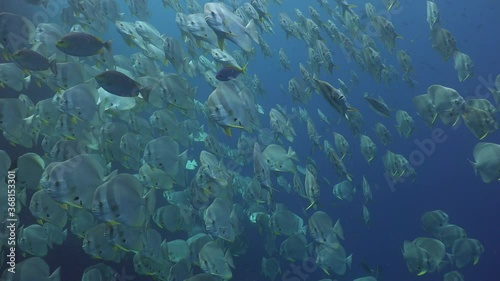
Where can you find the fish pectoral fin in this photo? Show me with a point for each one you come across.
(310, 205)
(236, 126)
(120, 247)
(483, 136)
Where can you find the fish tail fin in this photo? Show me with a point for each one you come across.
(145, 93)
(398, 129)
(107, 45)
(26, 81)
(473, 166)
(220, 42)
(348, 261)
(65, 234)
(56, 275)
(229, 259)
(150, 198)
(450, 258)
(252, 31)
(53, 66)
(303, 229)
(292, 154)
(244, 68)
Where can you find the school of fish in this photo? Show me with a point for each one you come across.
(132, 151)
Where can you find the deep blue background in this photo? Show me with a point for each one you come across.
(445, 179)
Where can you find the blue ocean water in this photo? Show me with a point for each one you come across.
(445, 179)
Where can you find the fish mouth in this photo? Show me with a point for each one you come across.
(217, 117)
(49, 190)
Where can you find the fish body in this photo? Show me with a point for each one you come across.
(229, 72)
(81, 44)
(229, 26)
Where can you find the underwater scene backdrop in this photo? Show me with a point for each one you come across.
(249, 140)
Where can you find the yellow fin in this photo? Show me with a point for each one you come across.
(328, 273)
(244, 68)
(116, 247)
(227, 130)
(236, 126)
(74, 120)
(310, 205)
(484, 136)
